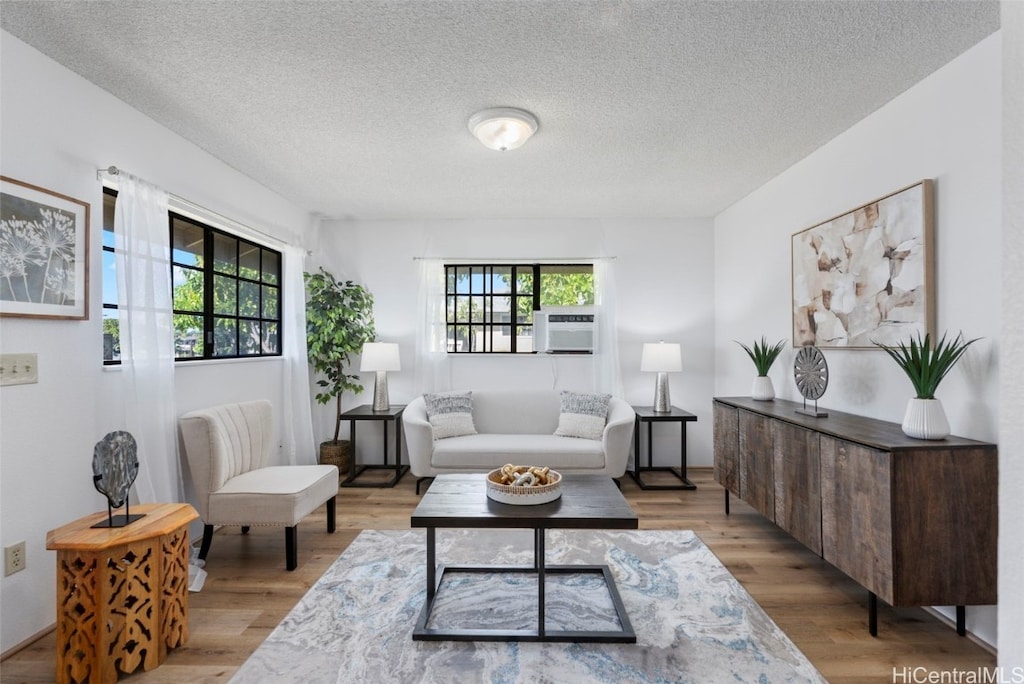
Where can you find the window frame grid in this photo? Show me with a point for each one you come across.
(208, 315)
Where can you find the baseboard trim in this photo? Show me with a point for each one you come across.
(970, 635)
(27, 642)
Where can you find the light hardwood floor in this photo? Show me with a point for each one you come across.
(825, 613)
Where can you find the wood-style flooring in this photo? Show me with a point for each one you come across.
(248, 590)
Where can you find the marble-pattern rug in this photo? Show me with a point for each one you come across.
(693, 620)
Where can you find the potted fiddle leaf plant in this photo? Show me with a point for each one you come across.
(339, 321)
(763, 355)
(926, 365)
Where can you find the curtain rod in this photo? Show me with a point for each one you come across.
(499, 260)
(189, 204)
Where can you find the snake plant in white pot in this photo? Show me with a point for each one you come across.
(763, 355)
(926, 366)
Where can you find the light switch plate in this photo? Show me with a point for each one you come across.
(18, 369)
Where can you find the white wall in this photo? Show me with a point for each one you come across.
(1011, 428)
(664, 284)
(57, 129)
(947, 127)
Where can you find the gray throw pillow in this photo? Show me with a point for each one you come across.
(450, 413)
(583, 415)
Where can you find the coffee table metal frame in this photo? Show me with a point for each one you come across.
(581, 490)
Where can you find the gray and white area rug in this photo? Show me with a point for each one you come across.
(693, 620)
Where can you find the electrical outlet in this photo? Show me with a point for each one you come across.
(14, 558)
(18, 369)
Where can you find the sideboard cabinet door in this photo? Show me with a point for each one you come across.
(757, 457)
(727, 444)
(797, 483)
(856, 513)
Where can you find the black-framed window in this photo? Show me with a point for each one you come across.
(490, 307)
(226, 292)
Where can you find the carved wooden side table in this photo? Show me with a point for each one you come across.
(122, 593)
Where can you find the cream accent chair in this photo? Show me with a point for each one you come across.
(228, 449)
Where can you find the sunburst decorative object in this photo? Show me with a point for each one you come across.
(811, 374)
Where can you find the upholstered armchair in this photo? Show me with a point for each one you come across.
(228, 449)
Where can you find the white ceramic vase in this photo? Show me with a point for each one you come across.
(925, 419)
(763, 389)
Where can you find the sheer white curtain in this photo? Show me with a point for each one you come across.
(607, 374)
(143, 257)
(433, 373)
(297, 430)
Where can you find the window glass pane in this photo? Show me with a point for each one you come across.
(462, 280)
(111, 336)
(477, 309)
(225, 258)
(450, 280)
(524, 338)
(450, 313)
(249, 338)
(225, 337)
(477, 338)
(248, 260)
(188, 336)
(109, 278)
(450, 338)
(269, 302)
(502, 338)
(567, 285)
(187, 243)
(524, 309)
(502, 308)
(225, 297)
(462, 309)
(188, 289)
(248, 299)
(108, 219)
(501, 280)
(524, 281)
(271, 267)
(271, 345)
(461, 338)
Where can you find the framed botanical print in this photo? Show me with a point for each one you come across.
(44, 242)
(867, 275)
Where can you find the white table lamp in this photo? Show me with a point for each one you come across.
(380, 357)
(661, 358)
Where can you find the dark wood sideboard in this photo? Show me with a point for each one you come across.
(914, 522)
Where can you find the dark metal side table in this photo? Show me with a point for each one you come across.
(366, 412)
(647, 414)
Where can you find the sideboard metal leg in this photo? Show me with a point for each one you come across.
(872, 614)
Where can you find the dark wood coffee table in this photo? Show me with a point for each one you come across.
(588, 502)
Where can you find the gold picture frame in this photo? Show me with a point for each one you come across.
(44, 252)
(867, 275)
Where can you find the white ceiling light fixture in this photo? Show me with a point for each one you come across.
(503, 128)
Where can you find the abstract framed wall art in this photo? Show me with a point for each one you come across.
(44, 242)
(867, 275)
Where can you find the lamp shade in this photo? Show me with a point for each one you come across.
(380, 356)
(661, 357)
(502, 128)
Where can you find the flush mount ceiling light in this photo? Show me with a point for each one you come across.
(503, 128)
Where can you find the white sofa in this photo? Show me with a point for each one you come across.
(516, 426)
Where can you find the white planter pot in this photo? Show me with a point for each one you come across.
(925, 419)
(763, 389)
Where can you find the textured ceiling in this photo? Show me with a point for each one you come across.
(646, 109)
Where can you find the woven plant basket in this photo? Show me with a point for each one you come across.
(337, 454)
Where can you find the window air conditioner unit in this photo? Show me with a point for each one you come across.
(559, 332)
